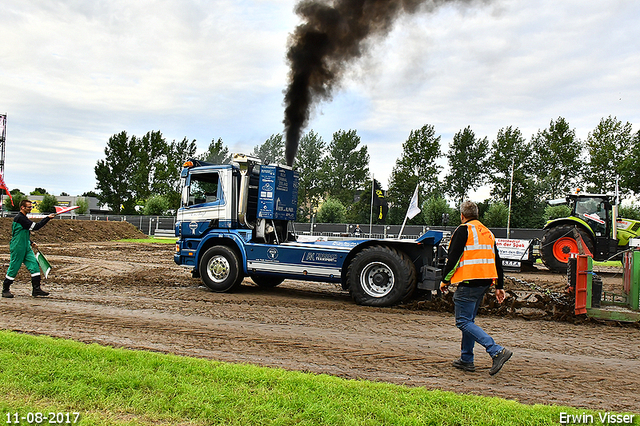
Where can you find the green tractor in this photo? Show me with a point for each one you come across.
(593, 216)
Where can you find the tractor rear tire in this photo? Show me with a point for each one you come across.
(558, 243)
(381, 276)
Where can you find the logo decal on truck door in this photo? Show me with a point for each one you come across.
(193, 226)
(272, 253)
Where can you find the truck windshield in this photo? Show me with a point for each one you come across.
(203, 188)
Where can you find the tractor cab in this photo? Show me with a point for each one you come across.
(595, 210)
(594, 218)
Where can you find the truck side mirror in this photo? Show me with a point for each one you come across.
(185, 195)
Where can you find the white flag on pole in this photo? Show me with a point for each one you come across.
(413, 206)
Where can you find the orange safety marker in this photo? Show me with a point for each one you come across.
(582, 276)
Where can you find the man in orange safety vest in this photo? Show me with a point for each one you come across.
(474, 264)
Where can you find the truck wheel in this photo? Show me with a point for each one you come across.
(381, 276)
(266, 281)
(558, 243)
(220, 269)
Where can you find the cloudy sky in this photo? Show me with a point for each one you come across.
(75, 72)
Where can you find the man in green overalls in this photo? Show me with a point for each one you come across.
(21, 251)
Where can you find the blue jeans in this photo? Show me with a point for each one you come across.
(467, 300)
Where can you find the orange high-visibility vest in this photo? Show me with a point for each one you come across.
(478, 260)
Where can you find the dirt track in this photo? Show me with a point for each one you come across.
(134, 296)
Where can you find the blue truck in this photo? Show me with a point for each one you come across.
(236, 221)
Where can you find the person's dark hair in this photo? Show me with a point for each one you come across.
(469, 210)
(24, 203)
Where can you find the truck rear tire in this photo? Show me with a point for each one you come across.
(266, 281)
(220, 269)
(557, 244)
(381, 276)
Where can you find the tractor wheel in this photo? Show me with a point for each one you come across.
(557, 245)
(266, 281)
(381, 276)
(220, 269)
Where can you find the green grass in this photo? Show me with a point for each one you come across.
(149, 240)
(110, 386)
(615, 263)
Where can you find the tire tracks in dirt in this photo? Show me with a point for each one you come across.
(143, 301)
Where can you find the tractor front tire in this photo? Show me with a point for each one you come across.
(381, 276)
(557, 245)
(220, 269)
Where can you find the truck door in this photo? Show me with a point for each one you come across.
(203, 203)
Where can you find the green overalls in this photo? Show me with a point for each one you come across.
(21, 252)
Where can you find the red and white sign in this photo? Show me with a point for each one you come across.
(594, 217)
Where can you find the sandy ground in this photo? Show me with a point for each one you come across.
(134, 296)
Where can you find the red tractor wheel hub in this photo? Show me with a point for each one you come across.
(563, 247)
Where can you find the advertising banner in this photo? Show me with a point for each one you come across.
(513, 252)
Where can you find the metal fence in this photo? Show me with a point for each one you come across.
(165, 226)
(149, 225)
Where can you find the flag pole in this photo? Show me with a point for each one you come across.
(373, 187)
(510, 195)
(401, 229)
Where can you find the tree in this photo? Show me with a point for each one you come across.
(361, 211)
(510, 153)
(17, 196)
(154, 175)
(90, 194)
(137, 168)
(557, 159)
(417, 165)
(39, 191)
(556, 212)
(332, 211)
(48, 203)
(271, 151)
(631, 167)
(64, 194)
(156, 205)
(346, 167)
(308, 163)
(436, 212)
(467, 164)
(115, 174)
(216, 153)
(83, 206)
(177, 153)
(496, 216)
(630, 212)
(608, 145)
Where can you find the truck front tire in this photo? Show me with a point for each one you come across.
(381, 276)
(220, 269)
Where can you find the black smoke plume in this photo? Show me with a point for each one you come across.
(332, 34)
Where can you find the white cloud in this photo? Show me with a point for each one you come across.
(75, 72)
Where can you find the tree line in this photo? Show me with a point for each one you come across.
(47, 204)
(142, 174)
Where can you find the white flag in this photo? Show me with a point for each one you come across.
(413, 206)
